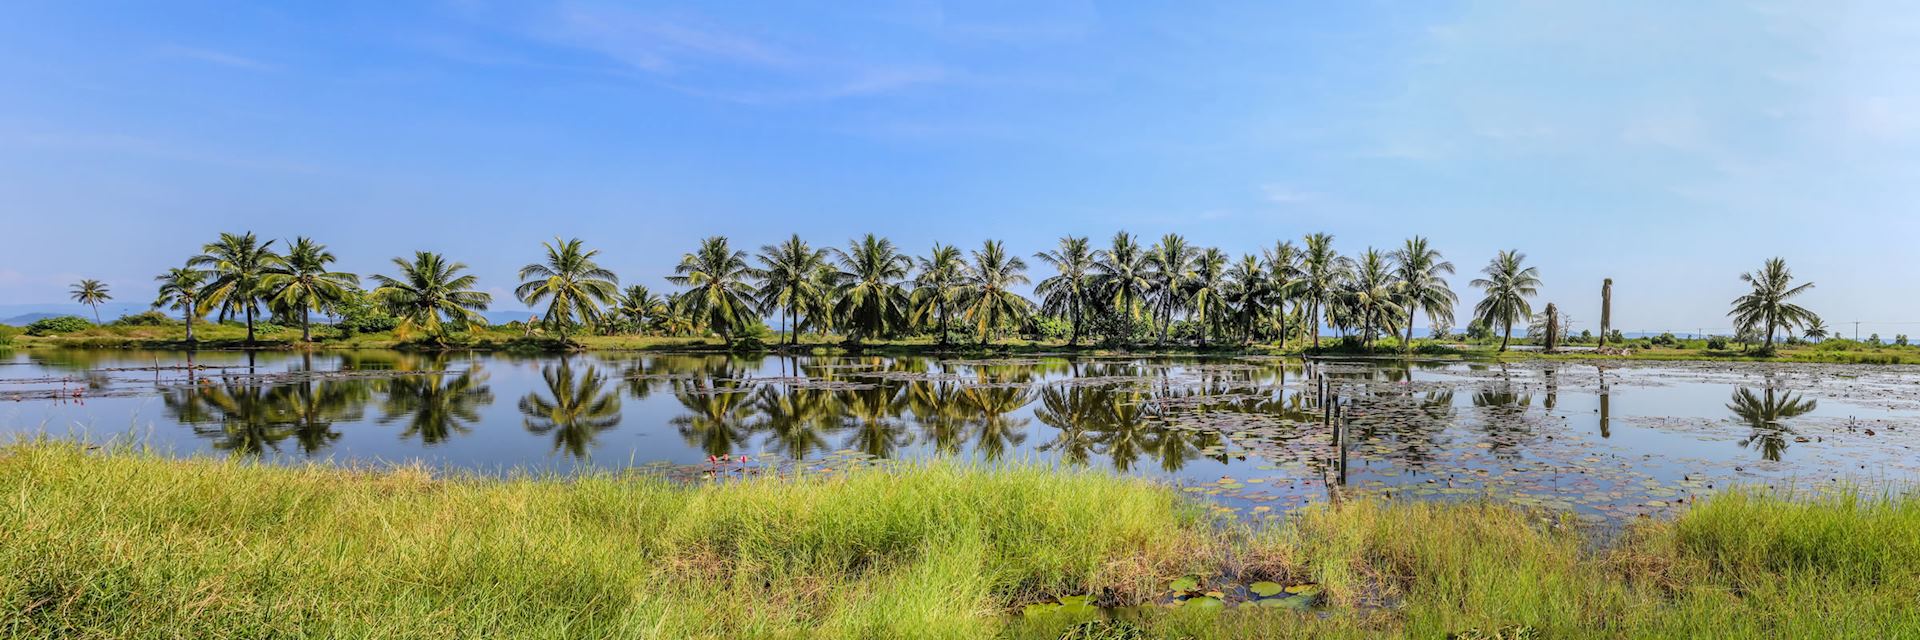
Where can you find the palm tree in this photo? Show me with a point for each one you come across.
(430, 292)
(871, 300)
(1208, 288)
(572, 283)
(238, 263)
(1284, 278)
(1766, 306)
(1508, 284)
(788, 281)
(180, 288)
(1122, 277)
(302, 283)
(988, 295)
(1372, 293)
(1767, 416)
(1249, 292)
(1816, 330)
(1171, 262)
(937, 288)
(1321, 272)
(720, 298)
(639, 306)
(1071, 288)
(1418, 271)
(91, 293)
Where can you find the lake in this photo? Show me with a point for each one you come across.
(1256, 436)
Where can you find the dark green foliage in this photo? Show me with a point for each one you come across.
(59, 325)
(144, 319)
(1717, 343)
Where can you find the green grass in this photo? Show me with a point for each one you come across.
(133, 544)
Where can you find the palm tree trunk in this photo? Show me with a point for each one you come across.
(1073, 336)
(1313, 314)
(1769, 344)
(306, 325)
(96, 313)
(1409, 343)
(249, 325)
(1504, 337)
(189, 315)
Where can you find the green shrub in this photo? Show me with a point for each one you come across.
(7, 333)
(1717, 343)
(58, 325)
(144, 319)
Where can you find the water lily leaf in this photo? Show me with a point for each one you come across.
(1207, 603)
(1308, 590)
(1187, 583)
(1264, 588)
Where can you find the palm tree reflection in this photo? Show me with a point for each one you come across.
(575, 408)
(1766, 414)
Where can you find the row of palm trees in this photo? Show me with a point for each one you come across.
(1126, 292)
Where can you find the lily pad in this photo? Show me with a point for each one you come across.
(1264, 588)
(1208, 602)
(1187, 583)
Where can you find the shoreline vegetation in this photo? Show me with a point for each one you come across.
(163, 337)
(125, 542)
(1132, 296)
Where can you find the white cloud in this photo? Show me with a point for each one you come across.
(1286, 195)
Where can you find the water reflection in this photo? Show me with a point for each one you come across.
(1766, 415)
(574, 407)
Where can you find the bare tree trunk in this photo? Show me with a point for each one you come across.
(1606, 309)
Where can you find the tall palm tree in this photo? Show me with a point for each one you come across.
(1767, 416)
(1121, 276)
(1322, 270)
(91, 293)
(1070, 289)
(720, 297)
(1508, 284)
(871, 301)
(1284, 278)
(571, 282)
(1171, 264)
(1248, 293)
(1207, 291)
(431, 293)
(789, 283)
(1419, 273)
(937, 289)
(238, 263)
(181, 288)
(302, 283)
(1767, 306)
(1372, 294)
(639, 306)
(990, 301)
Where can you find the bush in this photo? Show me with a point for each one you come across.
(1717, 343)
(1666, 340)
(1900, 340)
(1051, 328)
(59, 325)
(360, 313)
(7, 333)
(144, 319)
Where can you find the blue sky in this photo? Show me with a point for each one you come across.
(1669, 146)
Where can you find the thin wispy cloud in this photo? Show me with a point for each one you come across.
(216, 57)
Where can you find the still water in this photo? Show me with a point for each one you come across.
(1252, 435)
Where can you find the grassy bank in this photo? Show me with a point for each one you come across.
(129, 544)
(229, 336)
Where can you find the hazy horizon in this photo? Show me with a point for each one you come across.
(1669, 147)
